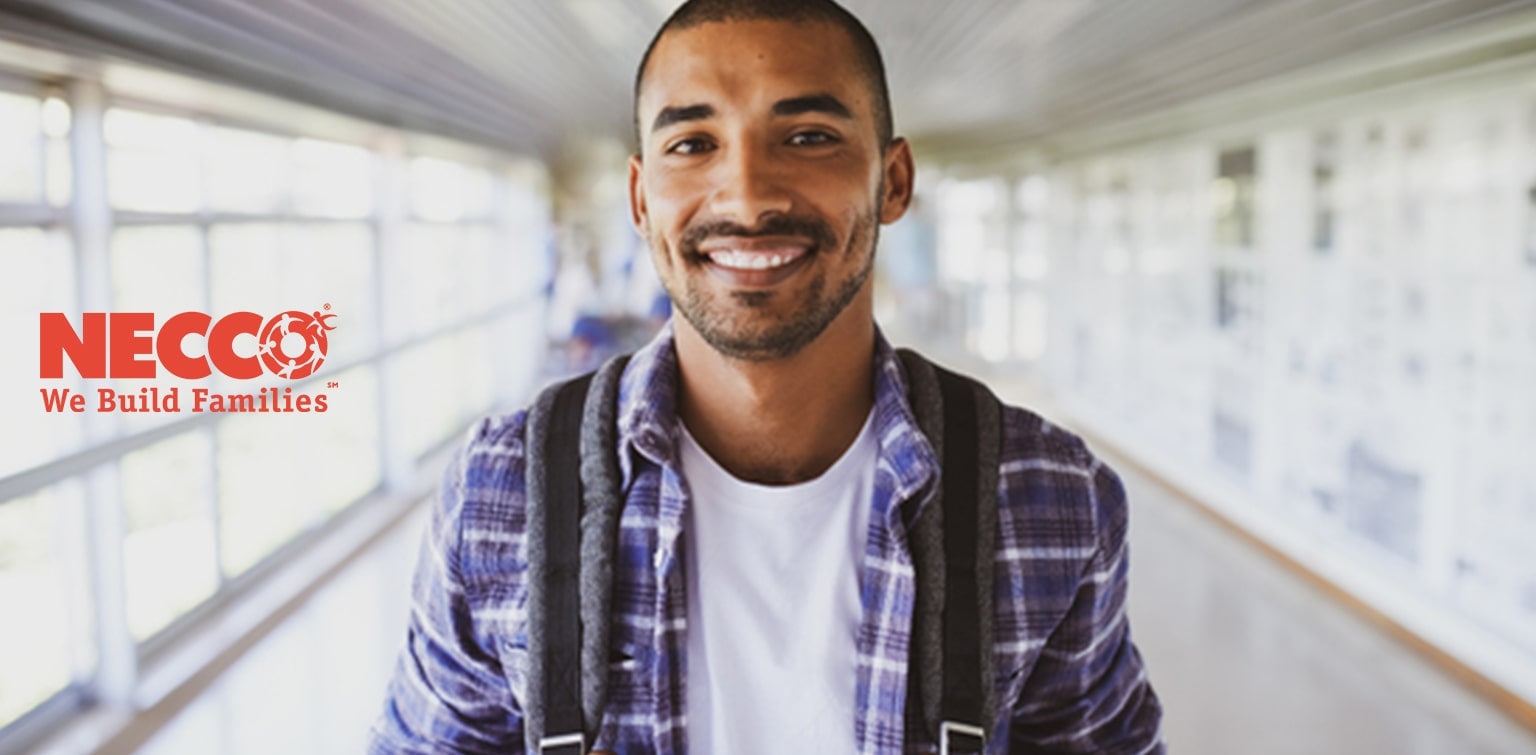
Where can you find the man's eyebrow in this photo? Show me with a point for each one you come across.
(815, 103)
(671, 115)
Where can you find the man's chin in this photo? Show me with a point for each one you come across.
(757, 345)
(751, 349)
(767, 324)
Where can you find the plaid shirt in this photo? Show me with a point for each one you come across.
(1068, 677)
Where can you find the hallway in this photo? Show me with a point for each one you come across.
(1247, 657)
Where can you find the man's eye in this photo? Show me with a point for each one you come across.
(689, 147)
(811, 139)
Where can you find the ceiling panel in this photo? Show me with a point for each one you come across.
(531, 75)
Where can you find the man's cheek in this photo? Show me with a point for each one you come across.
(663, 254)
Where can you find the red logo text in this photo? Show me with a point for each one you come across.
(128, 345)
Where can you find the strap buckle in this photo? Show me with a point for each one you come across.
(956, 738)
(553, 744)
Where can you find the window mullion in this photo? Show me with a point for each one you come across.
(91, 228)
(398, 463)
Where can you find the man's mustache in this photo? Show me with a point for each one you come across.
(818, 232)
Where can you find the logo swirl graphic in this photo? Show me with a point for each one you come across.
(309, 327)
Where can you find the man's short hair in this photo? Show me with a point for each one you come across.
(696, 12)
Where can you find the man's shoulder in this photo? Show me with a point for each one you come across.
(484, 485)
(1030, 439)
(1048, 475)
(495, 445)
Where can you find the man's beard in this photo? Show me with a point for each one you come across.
(783, 335)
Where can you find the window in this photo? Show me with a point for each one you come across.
(331, 180)
(34, 150)
(156, 269)
(39, 277)
(1324, 168)
(169, 552)
(262, 267)
(1235, 193)
(152, 162)
(44, 641)
(248, 172)
(204, 215)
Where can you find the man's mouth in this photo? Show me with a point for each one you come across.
(754, 262)
(756, 259)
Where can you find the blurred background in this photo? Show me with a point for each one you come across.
(1276, 260)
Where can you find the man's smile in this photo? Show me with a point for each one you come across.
(754, 261)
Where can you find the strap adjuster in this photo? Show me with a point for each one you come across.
(552, 745)
(956, 738)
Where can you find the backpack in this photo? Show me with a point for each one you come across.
(573, 504)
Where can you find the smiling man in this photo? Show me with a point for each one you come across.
(778, 563)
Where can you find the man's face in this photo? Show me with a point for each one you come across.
(761, 183)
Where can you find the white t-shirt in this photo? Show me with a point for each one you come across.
(774, 605)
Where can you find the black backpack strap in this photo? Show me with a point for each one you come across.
(952, 544)
(570, 548)
(572, 498)
(563, 730)
(965, 718)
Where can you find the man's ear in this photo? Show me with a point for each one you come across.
(639, 214)
(899, 176)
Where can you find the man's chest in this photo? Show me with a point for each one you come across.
(650, 654)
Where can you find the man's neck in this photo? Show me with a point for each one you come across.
(780, 421)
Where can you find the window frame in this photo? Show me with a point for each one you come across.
(119, 666)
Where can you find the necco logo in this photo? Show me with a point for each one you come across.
(289, 345)
(240, 345)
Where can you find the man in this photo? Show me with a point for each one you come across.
(763, 584)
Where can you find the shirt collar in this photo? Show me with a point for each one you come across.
(648, 404)
(648, 416)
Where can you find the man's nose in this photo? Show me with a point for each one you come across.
(748, 186)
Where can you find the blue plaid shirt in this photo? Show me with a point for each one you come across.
(1069, 677)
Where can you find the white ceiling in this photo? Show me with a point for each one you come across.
(527, 75)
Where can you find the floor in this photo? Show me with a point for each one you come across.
(315, 684)
(1246, 657)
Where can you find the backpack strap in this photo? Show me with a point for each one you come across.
(950, 665)
(572, 504)
(573, 528)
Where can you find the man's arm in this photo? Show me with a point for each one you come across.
(450, 692)
(1088, 692)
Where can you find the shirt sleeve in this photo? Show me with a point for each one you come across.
(1089, 691)
(449, 692)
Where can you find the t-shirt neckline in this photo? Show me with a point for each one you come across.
(703, 471)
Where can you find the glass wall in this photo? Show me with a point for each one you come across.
(47, 646)
(115, 528)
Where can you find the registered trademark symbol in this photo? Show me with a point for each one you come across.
(333, 384)
(327, 305)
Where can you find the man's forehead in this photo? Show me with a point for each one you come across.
(733, 56)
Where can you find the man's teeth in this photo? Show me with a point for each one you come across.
(748, 261)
